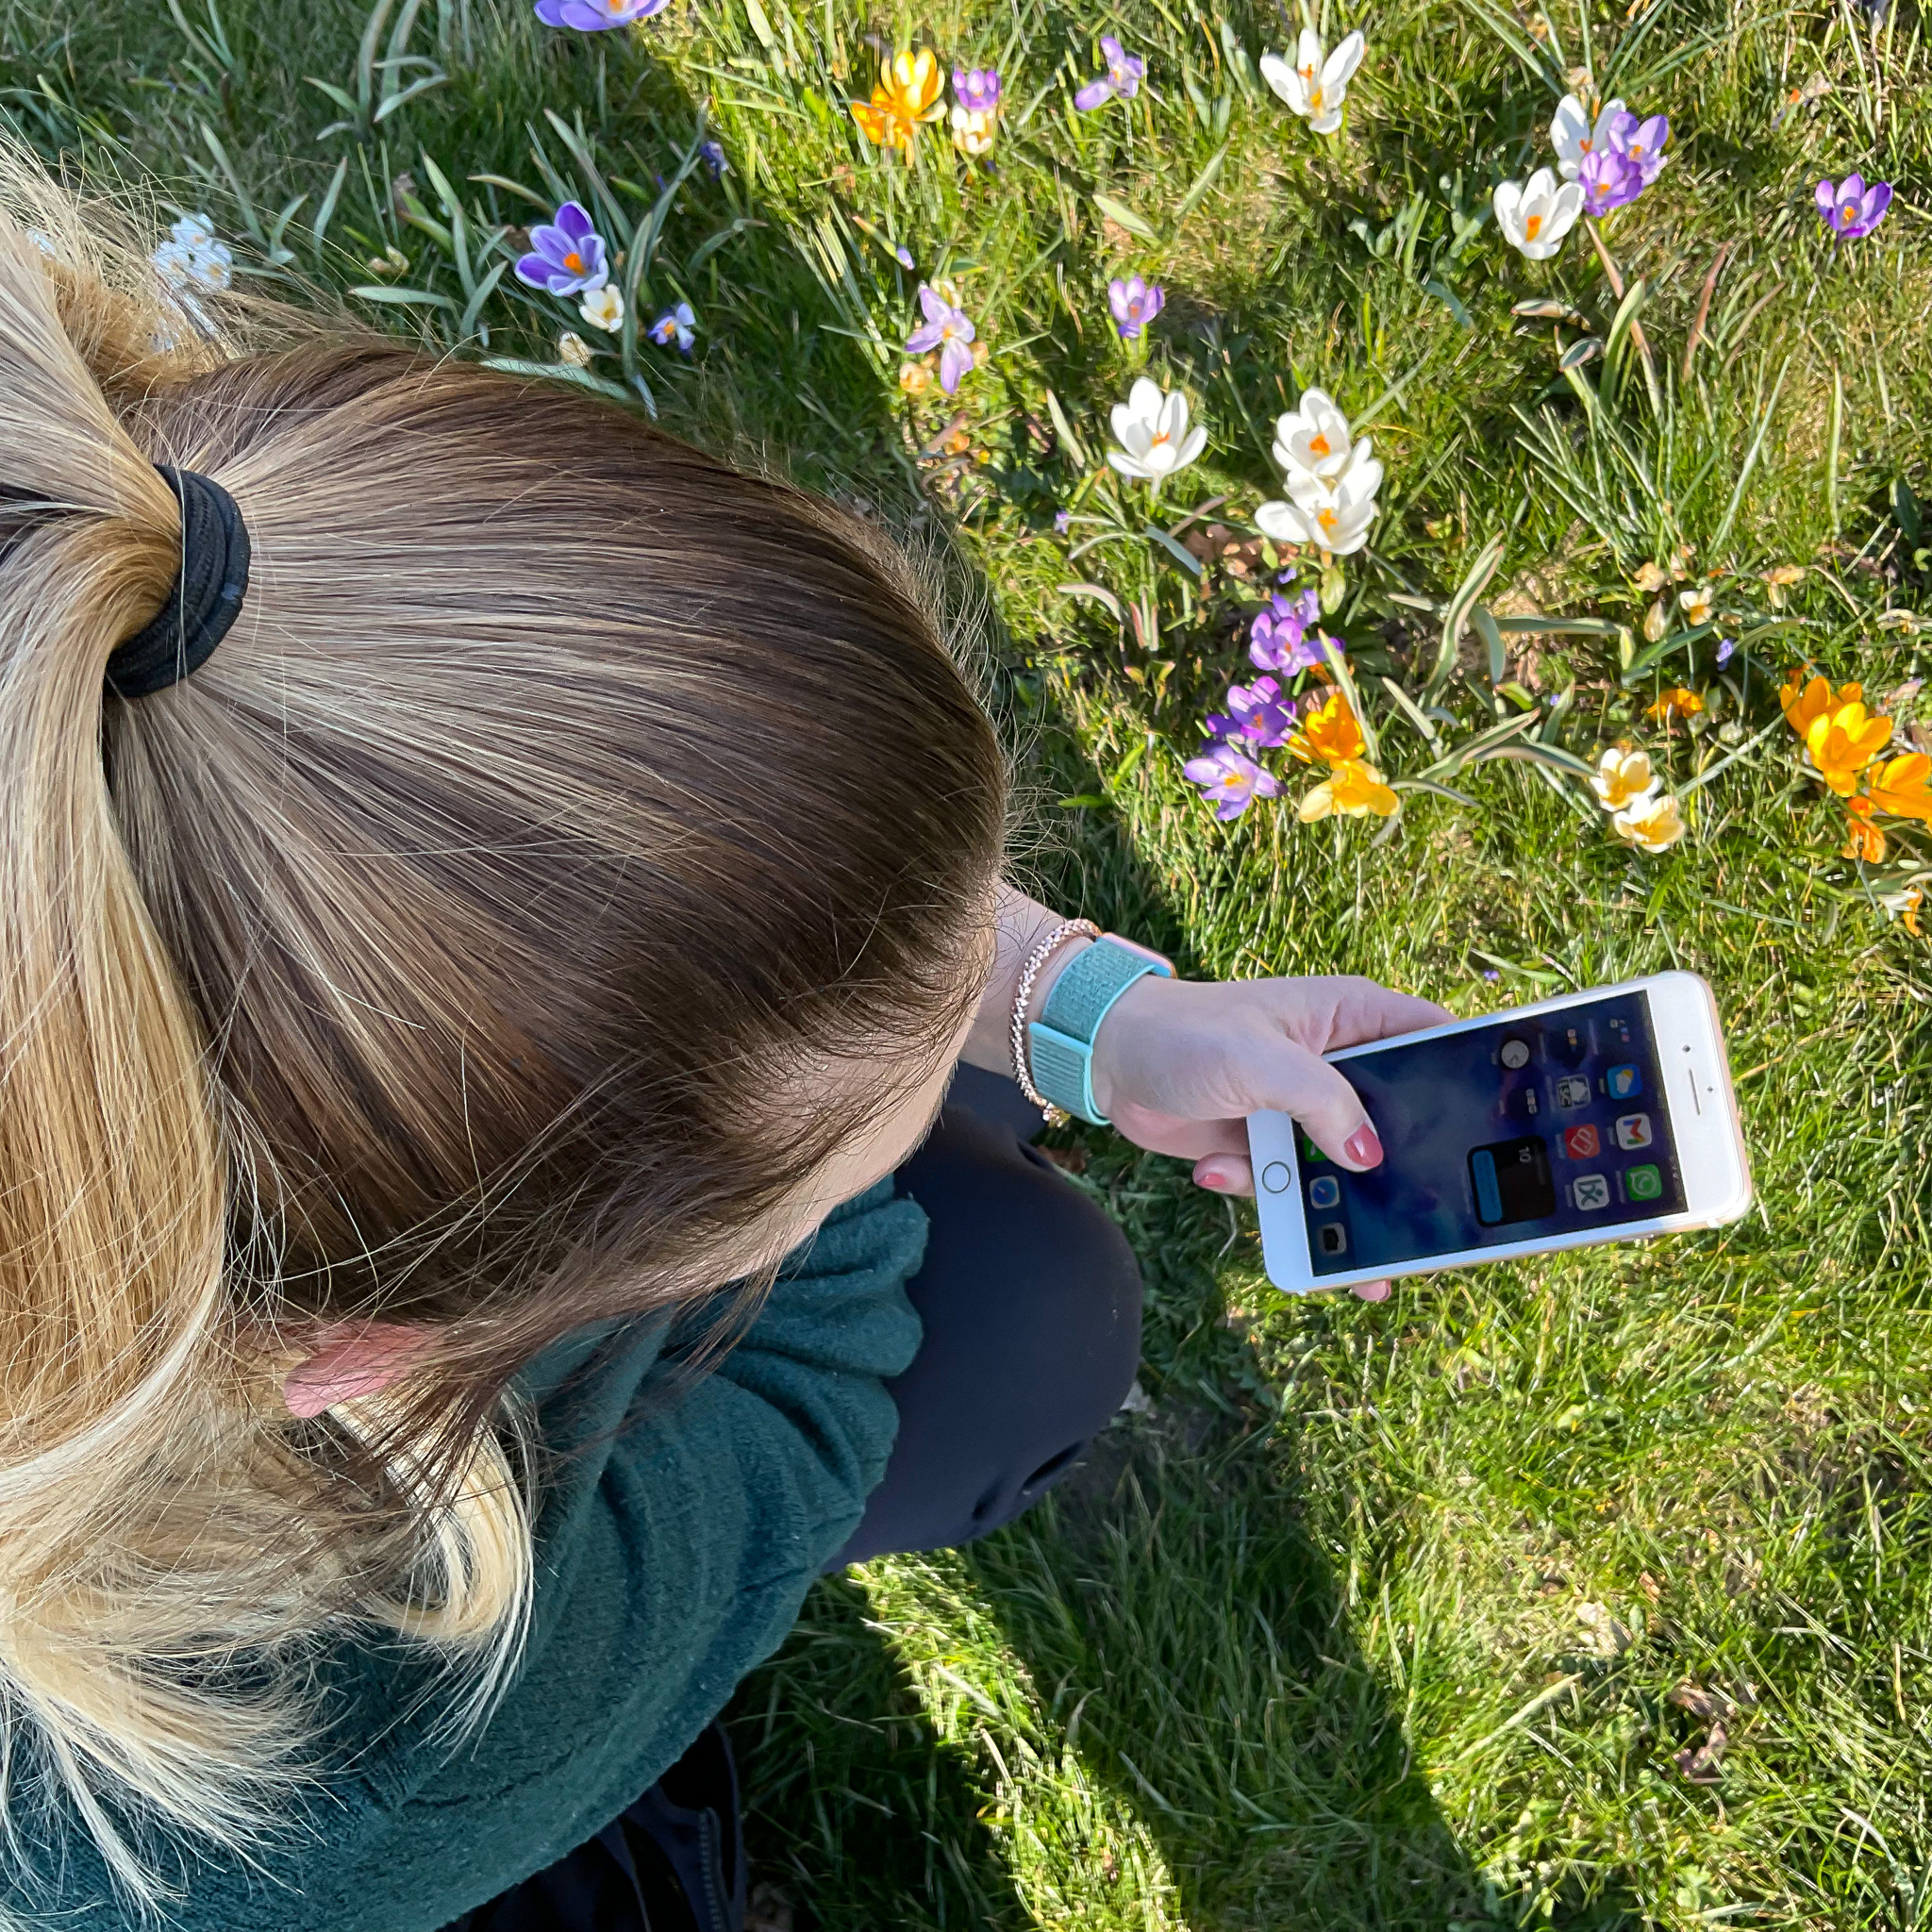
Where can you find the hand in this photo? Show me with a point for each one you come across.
(1179, 1064)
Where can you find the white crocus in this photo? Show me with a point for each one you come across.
(1315, 86)
(1573, 137)
(1536, 214)
(1313, 441)
(603, 308)
(1152, 426)
(1332, 514)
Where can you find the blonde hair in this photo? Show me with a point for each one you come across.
(427, 954)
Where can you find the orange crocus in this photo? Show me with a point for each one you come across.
(1903, 787)
(1842, 742)
(1803, 702)
(1330, 733)
(908, 93)
(1675, 703)
(1863, 840)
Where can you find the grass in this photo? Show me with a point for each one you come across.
(1407, 1616)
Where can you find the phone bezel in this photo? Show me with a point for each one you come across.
(1694, 1069)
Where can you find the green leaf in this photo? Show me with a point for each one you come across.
(560, 372)
(1100, 594)
(1192, 199)
(1457, 614)
(1065, 431)
(1119, 212)
(406, 298)
(1080, 799)
(1904, 510)
(1178, 551)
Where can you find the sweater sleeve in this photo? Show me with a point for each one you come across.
(667, 1572)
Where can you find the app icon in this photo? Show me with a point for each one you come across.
(1570, 1044)
(1643, 1183)
(1512, 1181)
(1582, 1143)
(1591, 1192)
(1624, 1083)
(1333, 1238)
(1633, 1130)
(1309, 1151)
(1619, 1029)
(1573, 1091)
(1325, 1190)
(1514, 1052)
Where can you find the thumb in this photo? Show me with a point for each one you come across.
(1290, 1079)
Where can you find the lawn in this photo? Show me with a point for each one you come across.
(1593, 1591)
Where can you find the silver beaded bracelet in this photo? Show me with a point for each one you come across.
(1067, 930)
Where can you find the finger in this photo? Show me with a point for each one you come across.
(1225, 1173)
(1369, 1011)
(1372, 1290)
(1292, 1080)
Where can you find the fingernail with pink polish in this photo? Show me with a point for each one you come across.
(1214, 1178)
(1362, 1148)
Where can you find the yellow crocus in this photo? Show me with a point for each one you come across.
(1842, 742)
(1353, 789)
(1803, 703)
(1329, 733)
(908, 93)
(1903, 787)
(1623, 774)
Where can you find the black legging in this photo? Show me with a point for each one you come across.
(1030, 1298)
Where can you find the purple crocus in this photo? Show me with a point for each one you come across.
(1726, 649)
(1641, 142)
(1123, 77)
(566, 256)
(1135, 304)
(1260, 711)
(1278, 639)
(1062, 521)
(677, 325)
(947, 329)
(1852, 209)
(1230, 780)
(712, 153)
(593, 16)
(1608, 181)
(977, 89)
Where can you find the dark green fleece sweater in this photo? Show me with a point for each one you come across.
(670, 1560)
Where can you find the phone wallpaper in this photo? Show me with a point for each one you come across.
(1513, 1132)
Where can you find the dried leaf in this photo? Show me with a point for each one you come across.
(1702, 1764)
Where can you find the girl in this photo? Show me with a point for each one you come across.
(493, 899)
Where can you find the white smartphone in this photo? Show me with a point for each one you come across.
(1600, 1116)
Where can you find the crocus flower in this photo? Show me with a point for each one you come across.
(1863, 840)
(908, 92)
(1573, 135)
(592, 16)
(210, 265)
(1841, 743)
(1726, 650)
(712, 153)
(1152, 426)
(1904, 906)
(1123, 77)
(973, 131)
(1779, 579)
(1352, 789)
(1536, 214)
(1229, 779)
(1623, 776)
(1062, 521)
(1641, 142)
(1674, 703)
(573, 350)
(1259, 711)
(192, 231)
(1852, 209)
(1903, 787)
(566, 256)
(1135, 304)
(603, 308)
(1315, 86)
(1652, 824)
(1695, 603)
(1329, 734)
(1333, 516)
(677, 325)
(1278, 639)
(1610, 181)
(1804, 704)
(977, 89)
(1313, 441)
(947, 329)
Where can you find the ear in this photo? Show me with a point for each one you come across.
(351, 1360)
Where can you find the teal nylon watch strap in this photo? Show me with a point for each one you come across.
(1060, 1042)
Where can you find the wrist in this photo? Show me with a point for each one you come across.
(1125, 1017)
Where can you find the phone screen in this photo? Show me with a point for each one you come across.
(1514, 1131)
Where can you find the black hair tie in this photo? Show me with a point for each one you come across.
(206, 597)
